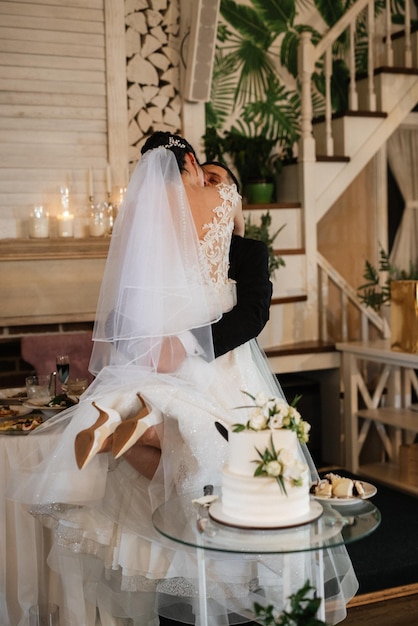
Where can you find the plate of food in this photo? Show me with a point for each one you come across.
(20, 425)
(55, 405)
(13, 410)
(341, 490)
(17, 395)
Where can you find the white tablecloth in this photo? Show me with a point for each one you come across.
(25, 578)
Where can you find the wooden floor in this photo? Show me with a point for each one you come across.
(393, 607)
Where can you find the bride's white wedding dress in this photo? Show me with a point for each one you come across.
(105, 546)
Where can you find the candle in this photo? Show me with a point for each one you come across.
(65, 224)
(39, 224)
(108, 180)
(97, 223)
(65, 198)
(91, 187)
(122, 191)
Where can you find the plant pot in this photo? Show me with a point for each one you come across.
(404, 315)
(258, 193)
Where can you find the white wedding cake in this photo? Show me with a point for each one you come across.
(265, 482)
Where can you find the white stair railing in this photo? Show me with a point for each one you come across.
(310, 55)
(348, 296)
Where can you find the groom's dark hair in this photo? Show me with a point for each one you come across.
(230, 173)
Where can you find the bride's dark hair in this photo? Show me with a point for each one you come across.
(177, 144)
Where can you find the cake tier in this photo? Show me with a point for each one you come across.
(260, 500)
(243, 446)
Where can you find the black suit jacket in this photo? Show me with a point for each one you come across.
(249, 268)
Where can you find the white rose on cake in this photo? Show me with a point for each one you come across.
(275, 414)
(258, 421)
(273, 468)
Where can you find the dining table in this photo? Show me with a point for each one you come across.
(184, 523)
(26, 577)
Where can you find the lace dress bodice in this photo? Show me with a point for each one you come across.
(216, 241)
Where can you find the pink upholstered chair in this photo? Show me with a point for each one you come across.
(41, 350)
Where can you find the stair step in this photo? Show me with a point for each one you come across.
(391, 70)
(322, 158)
(302, 347)
(303, 356)
(289, 299)
(271, 206)
(335, 116)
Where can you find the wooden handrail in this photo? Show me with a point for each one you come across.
(338, 28)
(348, 294)
(310, 54)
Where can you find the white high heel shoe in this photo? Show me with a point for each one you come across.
(129, 431)
(89, 441)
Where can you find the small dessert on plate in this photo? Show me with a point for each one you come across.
(336, 487)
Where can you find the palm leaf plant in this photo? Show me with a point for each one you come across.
(375, 292)
(245, 72)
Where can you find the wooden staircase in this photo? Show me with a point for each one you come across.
(332, 151)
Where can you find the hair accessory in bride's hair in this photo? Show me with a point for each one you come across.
(174, 143)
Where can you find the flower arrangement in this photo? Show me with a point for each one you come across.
(272, 414)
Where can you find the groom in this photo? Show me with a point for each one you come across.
(248, 266)
(248, 260)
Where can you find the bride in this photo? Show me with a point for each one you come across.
(165, 283)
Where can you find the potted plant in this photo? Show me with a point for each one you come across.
(376, 292)
(246, 86)
(261, 232)
(252, 157)
(389, 285)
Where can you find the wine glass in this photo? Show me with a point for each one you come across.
(44, 615)
(63, 369)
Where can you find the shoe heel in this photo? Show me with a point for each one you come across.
(129, 431)
(89, 441)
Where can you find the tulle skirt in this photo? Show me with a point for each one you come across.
(106, 548)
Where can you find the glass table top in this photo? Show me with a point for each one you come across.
(190, 524)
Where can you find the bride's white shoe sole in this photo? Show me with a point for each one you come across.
(129, 431)
(89, 441)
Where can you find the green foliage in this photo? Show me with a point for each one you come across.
(253, 37)
(251, 155)
(261, 232)
(245, 77)
(269, 455)
(302, 611)
(375, 292)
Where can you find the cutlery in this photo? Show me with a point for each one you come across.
(203, 507)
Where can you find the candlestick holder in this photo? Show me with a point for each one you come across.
(98, 222)
(65, 224)
(39, 223)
